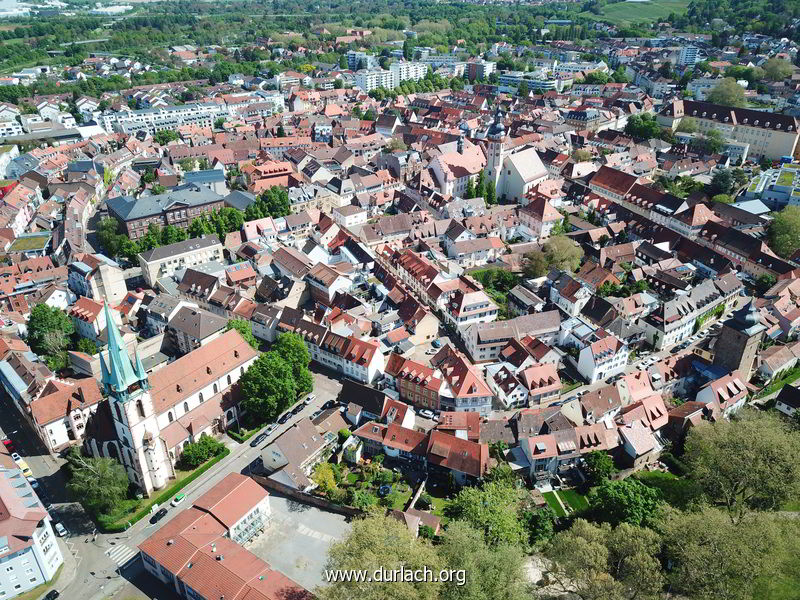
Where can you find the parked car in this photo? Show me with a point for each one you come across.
(8, 444)
(284, 417)
(426, 413)
(271, 428)
(16, 457)
(26, 470)
(61, 531)
(258, 439)
(33, 482)
(316, 414)
(309, 399)
(329, 404)
(298, 409)
(431, 351)
(436, 343)
(162, 512)
(178, 499)
(52, 595)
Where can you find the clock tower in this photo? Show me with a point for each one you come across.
(128, 389)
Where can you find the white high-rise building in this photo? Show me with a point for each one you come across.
(688, 55)
(403, 71)
(28, 549)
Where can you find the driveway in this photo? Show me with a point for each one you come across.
(298, 538)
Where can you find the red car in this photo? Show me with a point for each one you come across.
(8, 444)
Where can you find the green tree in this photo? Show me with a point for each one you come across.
(490, 195)
(86, 346)
(598, 562)
(165, 136)
(219, 122)
(480, 186)
(581, 155)
(293, 350)
(187, 164)
(157, 189)
(777, 69)
(381, 542)
(687, 125)
(721, 182)
(745, 464)
(361, 499)
(536, 264)
(245, 330)
(523, 91)
(493, 510)
(281, 131)
(643, 126)
(728, 93)
(199, 227)
(714, 558)
(599, 466)
(763, 283)
(99, 484)
(625, 501)
(563, 253)
(324, 478)
(408, 49)
(196, 453)
(492, 572)
(784, 232)
(48, 335)
(541, 525)
(470, 191)
(722, 199)
(268, 387)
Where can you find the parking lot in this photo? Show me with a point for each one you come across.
(297, 540)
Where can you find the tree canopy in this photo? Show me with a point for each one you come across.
(625, 501)
(381, 542)
(728, 93)
(245, 329)
(268, 387)
(559, 252)
(784, 231)
(49, 329)
(99, 484)
(493, 510)
(598, 562)
(745, 464)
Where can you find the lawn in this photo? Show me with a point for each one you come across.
(626, 13)
(676, 491)
(39, 590)
(790, 376)
(552, 501)
(786, 585)
(577, 501)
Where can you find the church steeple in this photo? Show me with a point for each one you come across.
(118, 373)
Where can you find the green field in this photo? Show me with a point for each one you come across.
(626, 13)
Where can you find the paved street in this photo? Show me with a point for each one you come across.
(97, 556)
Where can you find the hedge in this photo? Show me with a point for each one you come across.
(678, 467)
(242, 438)
(165, 496)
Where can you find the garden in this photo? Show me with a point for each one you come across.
(364, 485)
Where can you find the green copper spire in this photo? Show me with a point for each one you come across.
(119, 375)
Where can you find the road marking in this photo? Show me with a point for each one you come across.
(315, 534)
(122, 554)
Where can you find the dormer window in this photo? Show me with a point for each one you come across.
(778, 126)
(755, 122)
(766, 124)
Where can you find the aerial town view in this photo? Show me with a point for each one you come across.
(400, 300)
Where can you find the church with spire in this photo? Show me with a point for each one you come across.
(515, 168)
(146, 419)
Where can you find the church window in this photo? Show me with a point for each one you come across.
(119, 411)
(140, 409)
(170, 417)
(200, 396)
(216, 389)
(229, 379)
(186, 407)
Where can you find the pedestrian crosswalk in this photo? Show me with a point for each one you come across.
(122, 554)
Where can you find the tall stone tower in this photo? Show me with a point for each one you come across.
(737, 343)
(127, 386)
(497, 138)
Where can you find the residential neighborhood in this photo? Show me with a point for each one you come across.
(510, 296)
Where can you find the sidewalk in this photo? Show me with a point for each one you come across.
(69, 570)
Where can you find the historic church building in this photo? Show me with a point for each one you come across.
(145, 421)
(514, 169)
